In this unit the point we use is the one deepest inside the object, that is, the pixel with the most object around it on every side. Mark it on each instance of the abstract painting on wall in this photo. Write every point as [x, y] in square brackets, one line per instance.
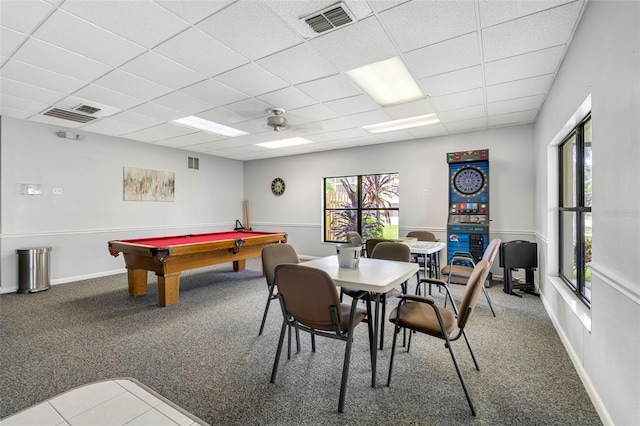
[148, 185]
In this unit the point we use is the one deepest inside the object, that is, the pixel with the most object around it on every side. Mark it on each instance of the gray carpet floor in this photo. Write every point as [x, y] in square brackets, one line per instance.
[204, 353]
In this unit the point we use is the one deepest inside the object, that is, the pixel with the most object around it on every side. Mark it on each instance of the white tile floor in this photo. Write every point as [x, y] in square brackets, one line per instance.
[111, 402]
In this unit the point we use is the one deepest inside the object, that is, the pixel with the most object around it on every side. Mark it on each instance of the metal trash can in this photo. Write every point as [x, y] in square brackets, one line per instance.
[34, 269]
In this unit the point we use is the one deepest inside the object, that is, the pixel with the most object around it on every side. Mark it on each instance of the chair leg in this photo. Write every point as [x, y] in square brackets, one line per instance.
[464, 385]
[289, 343]
[264, 316]
[278, 352]
[396, 330]
[384, 311]
[313, 343]
[473, 356]
[370, 328]
[486, 294]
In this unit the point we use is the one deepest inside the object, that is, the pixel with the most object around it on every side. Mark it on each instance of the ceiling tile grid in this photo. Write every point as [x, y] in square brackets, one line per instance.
[479, 63]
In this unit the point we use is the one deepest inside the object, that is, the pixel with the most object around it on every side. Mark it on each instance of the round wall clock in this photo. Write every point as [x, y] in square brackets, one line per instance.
[277, 186]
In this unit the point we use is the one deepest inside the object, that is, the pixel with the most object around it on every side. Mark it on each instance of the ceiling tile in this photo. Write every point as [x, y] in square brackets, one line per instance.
[249, 108]
[139, 120]
[10, 40]
[132, 84]
[28, 91]
[513, 118]
[263, 32]
[362, 43]
[467, 125]
[427, 131]
[380, 5]
[221, 116]
[183, 102]
[369, 117]
[142, 22]
[198, 51]
[287, 98]
[157, 111]
[161, 70]
[452, 82]
[353, 105]
[410, 109]
[111, 127]
[534, 32]
[22, 104]
[214, 92]
[109, 97]
[189, 139]
[65, 30]
[458, 100]
[50, 57]
[437, 58]
[310, 114]
[163, 131]
[512, 105]
[330, 88]
[495, 12]
[298, 64]
[520, 88]
[23, 16]
[421, 23]
[194, 11]
[252, 80]
[524, 66]
[40, 77]
[460, 114]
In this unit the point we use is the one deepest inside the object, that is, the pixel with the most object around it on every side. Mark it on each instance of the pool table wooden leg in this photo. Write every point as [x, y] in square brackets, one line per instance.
[137, 279]
[238, 265]
[168, 289]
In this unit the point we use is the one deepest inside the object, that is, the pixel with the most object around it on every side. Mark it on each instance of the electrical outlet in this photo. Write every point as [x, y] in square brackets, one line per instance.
[425, 193]
[56, 191]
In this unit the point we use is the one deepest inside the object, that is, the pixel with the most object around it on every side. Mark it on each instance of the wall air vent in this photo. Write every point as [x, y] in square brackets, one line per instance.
[68, 115]
[330, 18]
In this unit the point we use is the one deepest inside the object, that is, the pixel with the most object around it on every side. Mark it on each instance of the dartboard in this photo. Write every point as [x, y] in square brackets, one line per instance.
[468, 180]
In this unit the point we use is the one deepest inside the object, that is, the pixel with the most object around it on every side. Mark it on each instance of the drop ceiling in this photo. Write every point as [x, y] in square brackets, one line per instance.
[480, 64]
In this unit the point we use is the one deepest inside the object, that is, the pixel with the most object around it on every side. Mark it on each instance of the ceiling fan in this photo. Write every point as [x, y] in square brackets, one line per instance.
[277, 121]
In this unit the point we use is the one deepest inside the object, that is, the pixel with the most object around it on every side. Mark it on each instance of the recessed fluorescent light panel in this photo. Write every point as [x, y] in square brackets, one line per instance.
[208, 126]
[284, 143]
[404, 123]
[388, 82]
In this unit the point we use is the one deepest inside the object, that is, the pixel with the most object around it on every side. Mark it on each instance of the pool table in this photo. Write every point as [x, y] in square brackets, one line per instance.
[169, 256]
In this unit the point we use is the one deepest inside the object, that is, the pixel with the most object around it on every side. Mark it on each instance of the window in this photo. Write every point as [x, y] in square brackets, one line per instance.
[366, 204]
[575, 210]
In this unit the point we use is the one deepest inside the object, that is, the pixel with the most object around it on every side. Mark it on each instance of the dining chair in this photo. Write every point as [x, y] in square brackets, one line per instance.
[371, 243]
[273, 255]
[423, 261]
[461, 265]
[353, 237]
[422, 315]
[310, 302]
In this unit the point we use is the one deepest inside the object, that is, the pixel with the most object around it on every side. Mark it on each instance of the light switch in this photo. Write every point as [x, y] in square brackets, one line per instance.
[56, 191]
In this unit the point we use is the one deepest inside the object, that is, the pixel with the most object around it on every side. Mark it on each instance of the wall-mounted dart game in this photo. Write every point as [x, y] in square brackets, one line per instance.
[468, 222]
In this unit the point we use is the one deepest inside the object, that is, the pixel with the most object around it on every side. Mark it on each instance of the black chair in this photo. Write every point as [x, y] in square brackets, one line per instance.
[421, 314]
[310, 302]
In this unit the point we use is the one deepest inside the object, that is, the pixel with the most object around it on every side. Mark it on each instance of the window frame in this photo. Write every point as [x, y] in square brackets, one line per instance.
[358, 209]
[579, 209]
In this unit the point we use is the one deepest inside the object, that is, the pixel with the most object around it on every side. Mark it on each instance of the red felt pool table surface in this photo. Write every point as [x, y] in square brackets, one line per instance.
[167, 256]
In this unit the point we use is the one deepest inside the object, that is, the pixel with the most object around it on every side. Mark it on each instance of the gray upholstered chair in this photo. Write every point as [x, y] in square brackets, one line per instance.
[421, 314]
[310, 302]
[461, 265]
[423, 261]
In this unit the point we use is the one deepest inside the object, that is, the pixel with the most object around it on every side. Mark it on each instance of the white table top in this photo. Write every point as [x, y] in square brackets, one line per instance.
[375, 275]
[425, 247]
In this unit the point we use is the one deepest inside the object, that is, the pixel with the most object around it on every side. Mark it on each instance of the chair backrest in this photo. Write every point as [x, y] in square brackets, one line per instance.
[491, 251]
[390, 250]
[371, 243]
[275, 254]
[472, 292]
[308, 295]
[422, 235]
[354, 238]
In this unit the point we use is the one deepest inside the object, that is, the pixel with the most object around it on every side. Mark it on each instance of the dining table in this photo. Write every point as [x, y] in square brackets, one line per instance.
[430, 251]
[374, 275]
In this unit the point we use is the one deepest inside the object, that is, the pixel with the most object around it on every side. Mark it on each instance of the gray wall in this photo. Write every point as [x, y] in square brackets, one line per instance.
[603, 342]
[91, 210]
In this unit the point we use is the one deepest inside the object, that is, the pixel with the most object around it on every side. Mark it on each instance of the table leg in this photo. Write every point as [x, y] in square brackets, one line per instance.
[238, 265]
[168, 289]
[137, 279]
[374, 359]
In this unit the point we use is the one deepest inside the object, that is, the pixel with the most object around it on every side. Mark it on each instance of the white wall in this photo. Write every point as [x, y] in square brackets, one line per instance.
[421, 164]
[91, 210]
[604, 342]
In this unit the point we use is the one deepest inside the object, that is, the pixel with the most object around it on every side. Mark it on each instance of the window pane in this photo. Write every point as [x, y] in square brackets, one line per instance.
[568, 247]
[379, 224]
[587, 256]
[380, 191]
[338, 222]
[340, 192]
[569, 173]
[587, 163]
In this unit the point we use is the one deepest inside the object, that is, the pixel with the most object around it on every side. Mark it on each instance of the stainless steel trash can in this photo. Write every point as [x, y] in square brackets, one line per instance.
[34, 269]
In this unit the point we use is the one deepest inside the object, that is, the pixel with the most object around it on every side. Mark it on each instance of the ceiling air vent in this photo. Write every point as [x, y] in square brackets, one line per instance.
[332, 17]
[68, 115]
[87, 109]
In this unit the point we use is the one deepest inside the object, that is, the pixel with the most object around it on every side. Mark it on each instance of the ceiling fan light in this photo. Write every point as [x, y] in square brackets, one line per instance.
[283, 143]
[388, 82]
[404, 123]
[208, 126]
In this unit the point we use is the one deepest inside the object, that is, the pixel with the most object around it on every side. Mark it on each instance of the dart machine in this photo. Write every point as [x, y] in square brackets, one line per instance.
[468, 221]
